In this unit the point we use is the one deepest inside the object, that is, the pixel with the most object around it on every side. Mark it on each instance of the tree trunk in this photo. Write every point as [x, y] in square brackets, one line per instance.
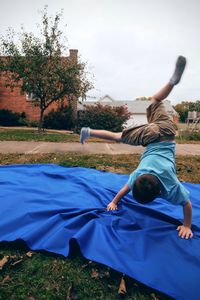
[41, 121]
[74, 102]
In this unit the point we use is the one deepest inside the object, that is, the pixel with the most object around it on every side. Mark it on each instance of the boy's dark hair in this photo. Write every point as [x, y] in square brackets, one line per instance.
[146, 188]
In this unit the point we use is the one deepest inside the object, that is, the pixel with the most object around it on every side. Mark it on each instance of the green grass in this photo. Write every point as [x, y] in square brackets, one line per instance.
[188, 137]
[48, 276]
[47, 136]
[33, 135]
[26, 134]
[188, 167]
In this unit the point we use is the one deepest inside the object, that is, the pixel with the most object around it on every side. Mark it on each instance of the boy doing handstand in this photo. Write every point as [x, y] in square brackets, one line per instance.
[155, 175]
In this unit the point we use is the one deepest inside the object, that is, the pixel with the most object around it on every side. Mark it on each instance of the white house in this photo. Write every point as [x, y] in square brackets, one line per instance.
[137, 108]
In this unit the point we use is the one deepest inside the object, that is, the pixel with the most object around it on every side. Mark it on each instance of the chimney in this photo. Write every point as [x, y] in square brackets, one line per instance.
[73, 54]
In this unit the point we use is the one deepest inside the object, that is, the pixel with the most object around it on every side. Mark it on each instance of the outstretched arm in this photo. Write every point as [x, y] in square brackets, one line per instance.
[185, 229]
[113, 204]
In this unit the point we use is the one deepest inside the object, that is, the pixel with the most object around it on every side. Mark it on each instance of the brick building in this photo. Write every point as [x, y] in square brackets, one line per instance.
[18, 102]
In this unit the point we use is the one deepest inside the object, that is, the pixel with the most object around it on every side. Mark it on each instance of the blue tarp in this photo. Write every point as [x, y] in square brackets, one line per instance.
[48, 205]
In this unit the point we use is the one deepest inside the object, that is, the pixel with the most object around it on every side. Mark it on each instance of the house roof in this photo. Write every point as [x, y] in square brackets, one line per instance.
[106, 98]
[134, 106]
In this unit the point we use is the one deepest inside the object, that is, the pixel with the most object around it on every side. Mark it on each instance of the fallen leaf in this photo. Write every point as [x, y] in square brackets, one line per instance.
[122, 287]
[87, 264]
[95, 273]
[29, 254]
[55, 287]
[3, 261]
[7, 278]
[71, 293]
[154, 297]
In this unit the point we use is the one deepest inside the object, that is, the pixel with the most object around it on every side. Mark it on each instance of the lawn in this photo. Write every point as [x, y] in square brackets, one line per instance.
[48, 276]
[26, 134]
[30, 134]
[33, 135]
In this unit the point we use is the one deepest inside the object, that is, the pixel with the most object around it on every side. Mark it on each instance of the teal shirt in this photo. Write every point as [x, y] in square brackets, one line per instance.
[159, 159]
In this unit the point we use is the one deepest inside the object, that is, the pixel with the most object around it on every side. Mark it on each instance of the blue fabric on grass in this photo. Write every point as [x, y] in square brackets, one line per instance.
[48, 205]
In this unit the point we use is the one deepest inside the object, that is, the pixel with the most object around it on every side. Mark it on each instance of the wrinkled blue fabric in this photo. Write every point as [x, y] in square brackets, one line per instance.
[48, 205]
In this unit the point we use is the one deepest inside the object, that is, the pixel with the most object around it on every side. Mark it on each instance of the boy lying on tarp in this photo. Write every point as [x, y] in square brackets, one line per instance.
[156, 174]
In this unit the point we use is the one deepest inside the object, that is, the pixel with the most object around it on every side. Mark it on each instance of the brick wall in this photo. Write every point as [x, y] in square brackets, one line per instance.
[17, 102]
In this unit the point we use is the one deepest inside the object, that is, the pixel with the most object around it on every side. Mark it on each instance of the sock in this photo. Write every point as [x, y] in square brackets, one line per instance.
[180, 66]
[85, 133]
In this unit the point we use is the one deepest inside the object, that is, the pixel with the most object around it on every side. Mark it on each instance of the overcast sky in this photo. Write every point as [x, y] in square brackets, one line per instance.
[130, 45]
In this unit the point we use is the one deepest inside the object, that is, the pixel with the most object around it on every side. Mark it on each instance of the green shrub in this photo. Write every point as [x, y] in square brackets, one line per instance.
[189, 136]
[33, 123]
[103, 117]
[59, 119]
[10, 118]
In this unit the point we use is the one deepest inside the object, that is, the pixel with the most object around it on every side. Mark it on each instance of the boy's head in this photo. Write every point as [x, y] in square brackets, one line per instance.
[146, 188]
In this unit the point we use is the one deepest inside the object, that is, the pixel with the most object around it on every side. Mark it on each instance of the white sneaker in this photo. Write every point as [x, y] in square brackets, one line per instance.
[85, 133]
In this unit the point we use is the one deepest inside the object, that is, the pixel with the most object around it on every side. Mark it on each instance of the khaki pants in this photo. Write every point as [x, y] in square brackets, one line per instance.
[160, 127]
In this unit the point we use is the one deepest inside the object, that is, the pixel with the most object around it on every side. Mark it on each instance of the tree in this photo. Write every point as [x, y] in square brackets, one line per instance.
[40, 65]
[184, 107]
[197, 105]
[143, 98]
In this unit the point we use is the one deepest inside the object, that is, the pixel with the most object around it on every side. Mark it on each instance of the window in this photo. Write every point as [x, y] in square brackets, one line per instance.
[31, 97]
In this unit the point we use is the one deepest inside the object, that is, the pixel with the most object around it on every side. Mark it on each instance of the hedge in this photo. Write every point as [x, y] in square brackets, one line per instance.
[105, 117]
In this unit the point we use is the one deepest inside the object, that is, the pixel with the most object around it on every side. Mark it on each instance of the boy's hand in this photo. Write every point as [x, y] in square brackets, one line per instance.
[184, 232]
[112, 206]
